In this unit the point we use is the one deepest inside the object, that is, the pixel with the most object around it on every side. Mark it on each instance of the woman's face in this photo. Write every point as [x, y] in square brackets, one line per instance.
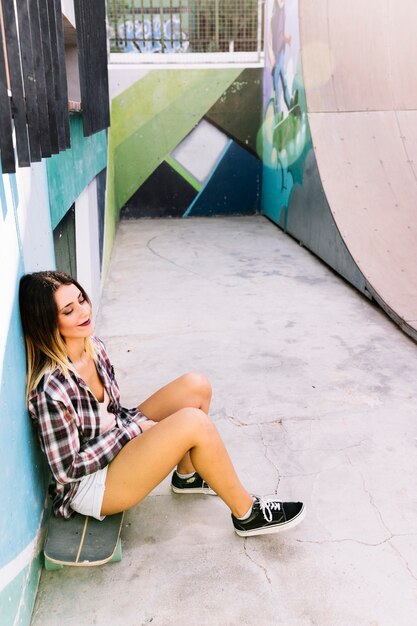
[74, 313]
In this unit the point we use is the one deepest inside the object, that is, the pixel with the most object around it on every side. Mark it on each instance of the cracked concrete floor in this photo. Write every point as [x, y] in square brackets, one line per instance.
[314, 395]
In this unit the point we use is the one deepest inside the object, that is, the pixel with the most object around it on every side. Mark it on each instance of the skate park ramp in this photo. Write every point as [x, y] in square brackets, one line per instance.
[360, 84]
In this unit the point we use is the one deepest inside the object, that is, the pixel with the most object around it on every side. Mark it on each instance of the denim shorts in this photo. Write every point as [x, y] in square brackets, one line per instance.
[89, 495]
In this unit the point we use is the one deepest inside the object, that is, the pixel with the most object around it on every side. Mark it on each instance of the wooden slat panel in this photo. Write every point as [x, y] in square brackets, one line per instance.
[6, 130]
[63, 87]
[40, 82]
[90, 16]
[56, 74]
[13, 57]
[31, 99]
[49, 75]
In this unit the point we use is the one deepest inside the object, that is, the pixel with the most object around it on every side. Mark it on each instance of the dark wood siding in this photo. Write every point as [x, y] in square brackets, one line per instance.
[33, 80]
[90, 18]
[16, 82]
[6, 129]
[40, 80]
[28, 70]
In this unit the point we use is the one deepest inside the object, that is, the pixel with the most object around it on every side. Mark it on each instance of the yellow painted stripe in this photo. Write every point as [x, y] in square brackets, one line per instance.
[82, 540]
[184, 173]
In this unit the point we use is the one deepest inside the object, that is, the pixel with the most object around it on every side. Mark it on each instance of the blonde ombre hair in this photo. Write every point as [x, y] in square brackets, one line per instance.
[45, 348]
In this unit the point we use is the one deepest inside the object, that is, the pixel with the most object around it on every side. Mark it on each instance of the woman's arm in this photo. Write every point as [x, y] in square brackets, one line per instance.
[68, 460]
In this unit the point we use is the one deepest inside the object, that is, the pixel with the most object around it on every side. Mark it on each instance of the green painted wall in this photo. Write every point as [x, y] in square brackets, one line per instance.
[18, 598]
[154, 115]
[147, 121]
[69, 172]
[240, 117]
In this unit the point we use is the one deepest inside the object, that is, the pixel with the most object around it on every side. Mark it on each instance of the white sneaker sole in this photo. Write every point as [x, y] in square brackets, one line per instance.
[203, 490]
[279, 528]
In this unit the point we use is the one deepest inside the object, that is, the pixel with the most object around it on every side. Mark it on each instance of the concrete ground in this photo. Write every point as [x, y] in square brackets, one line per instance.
[315, 397]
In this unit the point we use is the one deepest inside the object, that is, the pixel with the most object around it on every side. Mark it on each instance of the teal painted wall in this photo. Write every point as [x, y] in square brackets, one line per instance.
[22, 469]
[18, 597]
[69, 172]
[32, 203]
[22, 485]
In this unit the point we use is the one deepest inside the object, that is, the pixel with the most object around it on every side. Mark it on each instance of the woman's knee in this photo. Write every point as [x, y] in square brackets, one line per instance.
[199, 384]
[195, 420]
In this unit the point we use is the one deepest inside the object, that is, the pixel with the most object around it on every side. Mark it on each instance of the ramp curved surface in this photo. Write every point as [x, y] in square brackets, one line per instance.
[361, 95]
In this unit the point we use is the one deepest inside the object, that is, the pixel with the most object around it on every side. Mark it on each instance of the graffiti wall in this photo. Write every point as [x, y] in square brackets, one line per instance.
[285, 140]
[184, 143]
[152, 34]
[292, 191]
[175, 26]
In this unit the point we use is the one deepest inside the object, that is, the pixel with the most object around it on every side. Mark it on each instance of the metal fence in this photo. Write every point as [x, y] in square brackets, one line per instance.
[185, 26]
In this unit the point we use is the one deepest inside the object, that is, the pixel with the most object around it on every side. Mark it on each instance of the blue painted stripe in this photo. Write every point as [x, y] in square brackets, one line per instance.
[227, 147]
[14, 190]
[22, 466]
[15, 193]
[15, 197]
[2, 197]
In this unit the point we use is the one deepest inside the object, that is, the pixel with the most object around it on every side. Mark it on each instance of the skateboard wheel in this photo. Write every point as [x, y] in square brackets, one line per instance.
[51, 566]
[117, 556]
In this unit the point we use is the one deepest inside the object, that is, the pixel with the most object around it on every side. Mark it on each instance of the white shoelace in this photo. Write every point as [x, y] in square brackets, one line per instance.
[268, 504]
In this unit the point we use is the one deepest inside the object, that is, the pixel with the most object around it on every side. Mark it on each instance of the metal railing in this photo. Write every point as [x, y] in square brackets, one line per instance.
[185, 26]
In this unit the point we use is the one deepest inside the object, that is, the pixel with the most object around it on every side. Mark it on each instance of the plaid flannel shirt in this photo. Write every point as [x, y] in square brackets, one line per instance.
[66, 415]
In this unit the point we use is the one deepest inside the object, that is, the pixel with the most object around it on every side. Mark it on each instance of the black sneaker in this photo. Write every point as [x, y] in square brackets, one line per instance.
[269, 515]
[194, 484]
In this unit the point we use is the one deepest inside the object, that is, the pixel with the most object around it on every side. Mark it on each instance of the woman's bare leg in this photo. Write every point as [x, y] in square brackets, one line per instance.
[146, 460]
[190, 390]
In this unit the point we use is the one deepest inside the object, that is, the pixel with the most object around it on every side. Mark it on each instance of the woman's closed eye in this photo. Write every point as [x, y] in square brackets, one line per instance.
[69, 311]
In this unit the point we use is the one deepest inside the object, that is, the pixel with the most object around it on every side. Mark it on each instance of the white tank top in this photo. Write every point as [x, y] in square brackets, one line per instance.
[108, 420]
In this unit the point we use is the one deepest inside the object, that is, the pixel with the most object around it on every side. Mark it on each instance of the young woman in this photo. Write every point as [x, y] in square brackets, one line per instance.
[105, 458]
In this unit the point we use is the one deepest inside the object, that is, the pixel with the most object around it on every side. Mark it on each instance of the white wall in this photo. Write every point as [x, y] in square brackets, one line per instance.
[25, 236]
[34, 218]
[68, 10]
[86, 235]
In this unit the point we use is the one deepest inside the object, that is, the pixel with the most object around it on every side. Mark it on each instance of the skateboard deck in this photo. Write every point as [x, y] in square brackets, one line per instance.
[83, 541]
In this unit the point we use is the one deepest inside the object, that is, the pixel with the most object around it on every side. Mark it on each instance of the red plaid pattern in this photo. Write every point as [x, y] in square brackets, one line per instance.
[67, 418]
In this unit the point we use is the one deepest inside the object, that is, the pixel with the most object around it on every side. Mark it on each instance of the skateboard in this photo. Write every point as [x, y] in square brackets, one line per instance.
[83, 541]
